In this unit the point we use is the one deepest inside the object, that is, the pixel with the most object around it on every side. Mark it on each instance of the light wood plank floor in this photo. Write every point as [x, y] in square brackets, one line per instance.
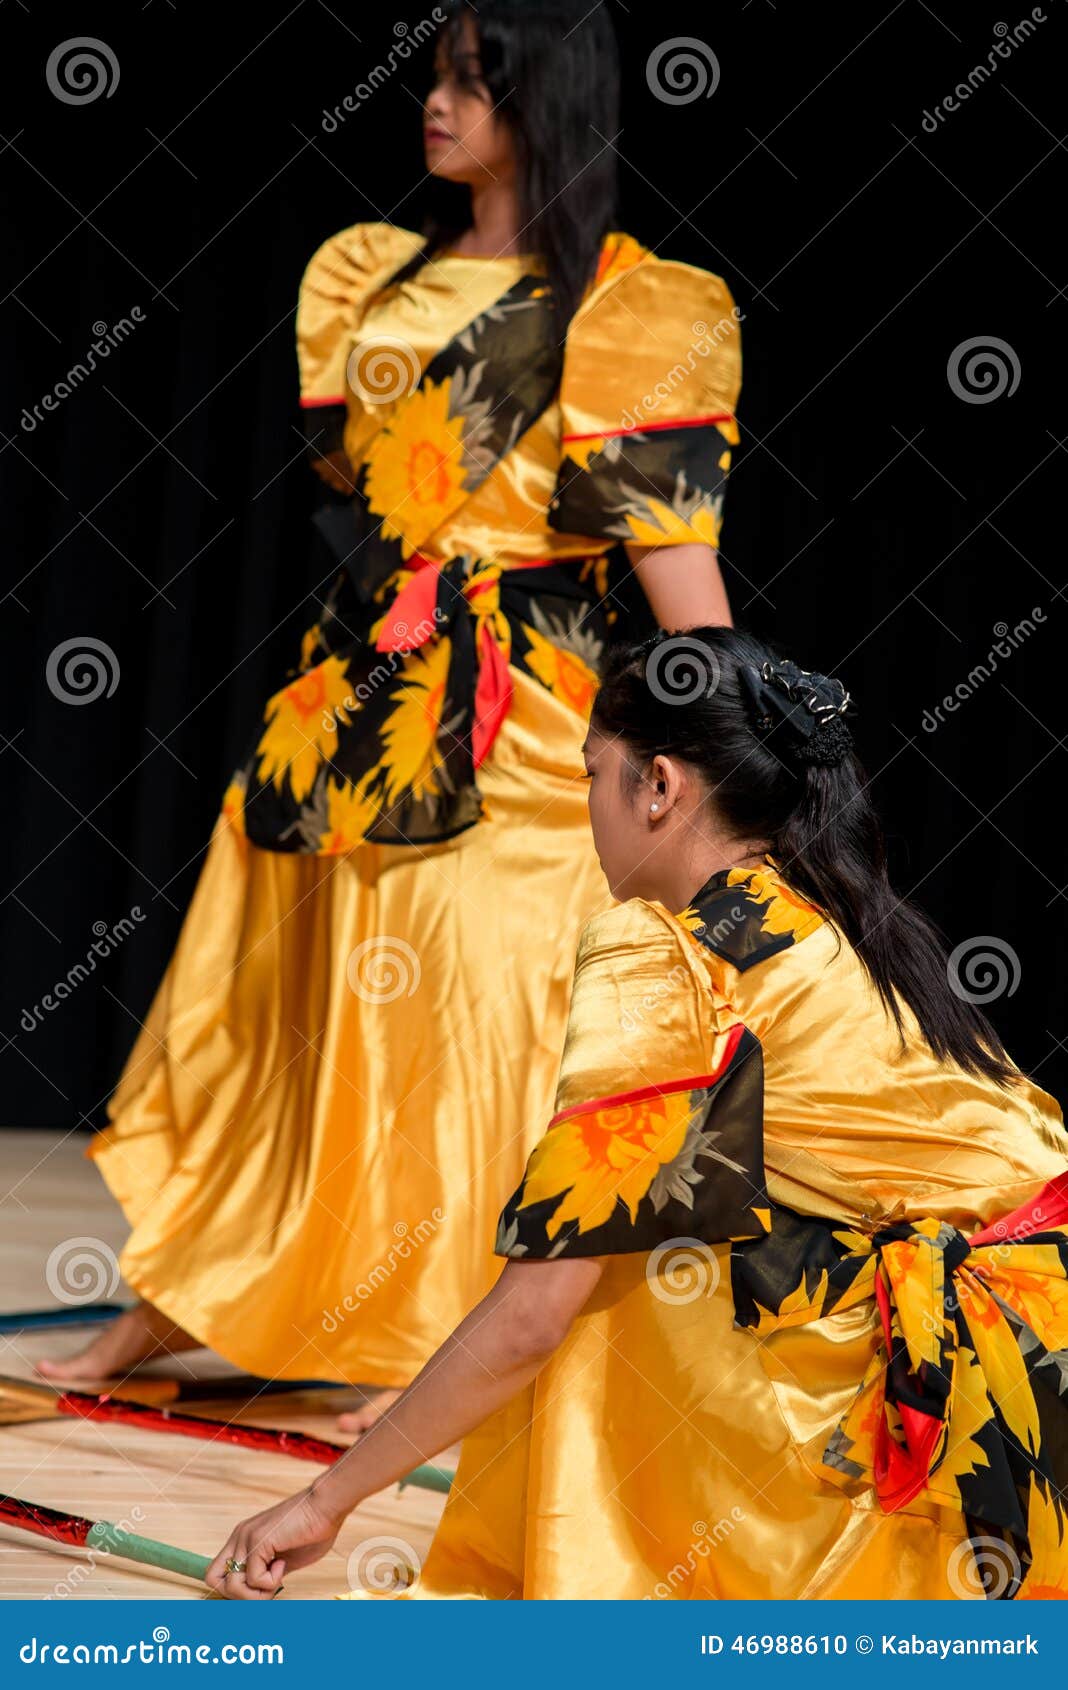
[170, 1488]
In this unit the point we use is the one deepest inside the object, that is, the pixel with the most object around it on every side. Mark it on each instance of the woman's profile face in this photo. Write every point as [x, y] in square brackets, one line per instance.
[619, 800]
[464, 139]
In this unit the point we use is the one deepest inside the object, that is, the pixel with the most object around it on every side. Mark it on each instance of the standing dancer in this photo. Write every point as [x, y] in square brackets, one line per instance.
[354, 1045]
[785, 1312]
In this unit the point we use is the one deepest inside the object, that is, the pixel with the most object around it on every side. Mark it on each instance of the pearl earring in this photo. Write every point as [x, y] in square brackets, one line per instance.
[653, 808]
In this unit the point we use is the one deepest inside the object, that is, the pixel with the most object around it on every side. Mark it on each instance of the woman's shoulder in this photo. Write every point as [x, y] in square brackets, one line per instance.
[628, 270]
[358, 258]
[669, 332]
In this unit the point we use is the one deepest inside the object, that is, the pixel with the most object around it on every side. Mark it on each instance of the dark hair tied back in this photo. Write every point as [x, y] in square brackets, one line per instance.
[771, 743]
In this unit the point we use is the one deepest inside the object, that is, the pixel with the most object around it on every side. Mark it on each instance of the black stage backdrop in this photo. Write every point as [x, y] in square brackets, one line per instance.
[884, 189]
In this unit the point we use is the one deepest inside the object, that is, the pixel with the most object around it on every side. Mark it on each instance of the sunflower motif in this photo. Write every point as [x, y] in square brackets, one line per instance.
[350, 812]
[782, 911]
[595, 1158]
[410, 732]
[1032, 1282]
[663, 525]
[416, 467]
[567, 677]
[302, 726]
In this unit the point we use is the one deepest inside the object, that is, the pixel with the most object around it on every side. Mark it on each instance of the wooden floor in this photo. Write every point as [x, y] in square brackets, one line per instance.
[170, 1488]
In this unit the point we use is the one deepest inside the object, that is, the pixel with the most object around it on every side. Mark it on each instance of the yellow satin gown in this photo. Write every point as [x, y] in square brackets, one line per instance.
[355, 1043]
[713, 1432]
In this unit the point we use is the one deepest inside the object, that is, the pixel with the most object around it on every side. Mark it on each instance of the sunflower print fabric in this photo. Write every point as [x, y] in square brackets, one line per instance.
[683, 1154]
[404, 679]
[403, 682]
[963, 1401]
[646, 452]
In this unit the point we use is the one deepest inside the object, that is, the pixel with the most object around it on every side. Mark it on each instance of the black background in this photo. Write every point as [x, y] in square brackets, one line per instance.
[878, 524]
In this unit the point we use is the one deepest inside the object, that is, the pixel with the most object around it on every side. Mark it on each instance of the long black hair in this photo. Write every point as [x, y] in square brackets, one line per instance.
[815, 817]
[552, 69]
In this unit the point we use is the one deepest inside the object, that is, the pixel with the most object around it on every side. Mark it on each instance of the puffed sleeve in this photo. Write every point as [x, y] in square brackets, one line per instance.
[658, 1126]
[341, 278]
[652, 372]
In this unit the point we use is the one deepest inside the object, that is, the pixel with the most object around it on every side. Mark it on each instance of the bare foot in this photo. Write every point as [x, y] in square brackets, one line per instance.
[136, 1336]
[363, 1418]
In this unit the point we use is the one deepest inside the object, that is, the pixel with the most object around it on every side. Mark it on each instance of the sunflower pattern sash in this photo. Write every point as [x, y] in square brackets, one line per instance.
[963, 1403]
[403, 682]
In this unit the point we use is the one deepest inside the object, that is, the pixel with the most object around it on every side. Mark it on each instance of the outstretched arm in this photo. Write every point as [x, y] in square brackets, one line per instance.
[496, 1350]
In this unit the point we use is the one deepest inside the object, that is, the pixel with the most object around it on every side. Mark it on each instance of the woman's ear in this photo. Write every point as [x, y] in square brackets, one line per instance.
[667, 778]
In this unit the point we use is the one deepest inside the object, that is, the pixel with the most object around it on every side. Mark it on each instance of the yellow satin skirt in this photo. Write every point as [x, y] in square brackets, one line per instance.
[662, 1454]
[344, 1070]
